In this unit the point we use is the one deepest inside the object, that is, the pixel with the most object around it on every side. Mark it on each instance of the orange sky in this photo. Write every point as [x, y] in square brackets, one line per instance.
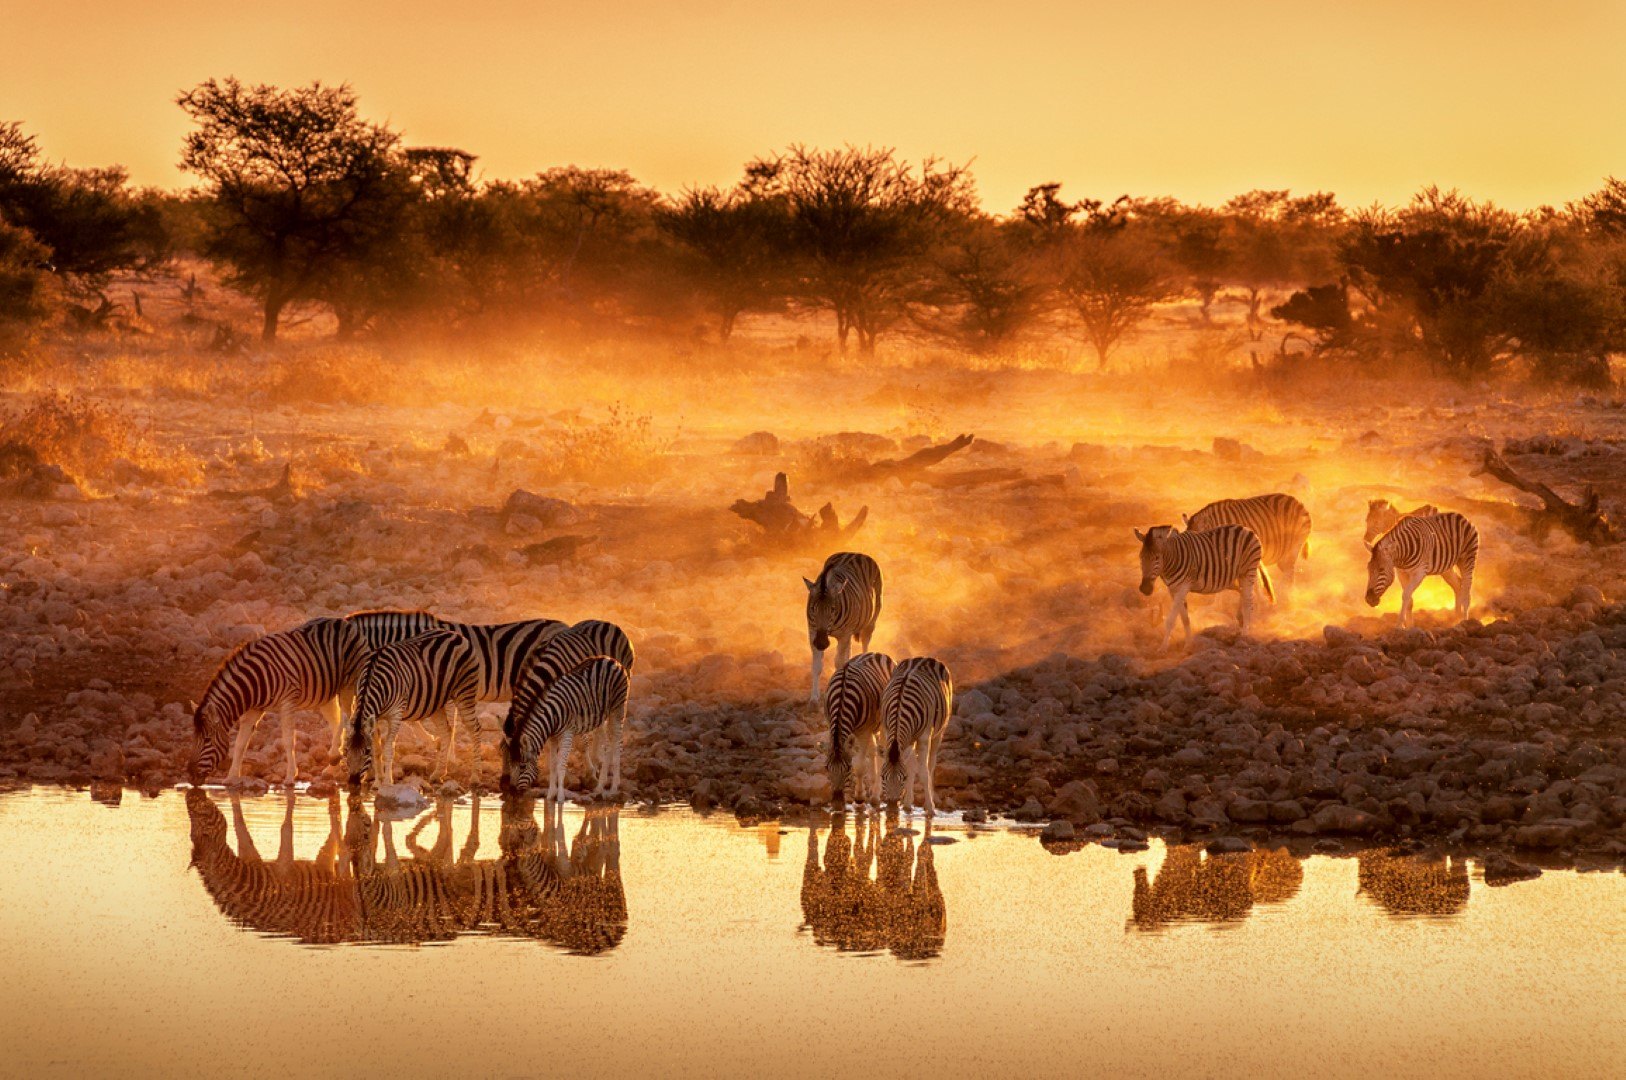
[1524, 103]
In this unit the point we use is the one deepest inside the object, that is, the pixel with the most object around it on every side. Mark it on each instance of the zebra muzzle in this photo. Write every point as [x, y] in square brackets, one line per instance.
[1146, 585]
[821, 641]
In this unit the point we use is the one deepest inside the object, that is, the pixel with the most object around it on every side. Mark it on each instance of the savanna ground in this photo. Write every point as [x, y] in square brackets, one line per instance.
[128, 576]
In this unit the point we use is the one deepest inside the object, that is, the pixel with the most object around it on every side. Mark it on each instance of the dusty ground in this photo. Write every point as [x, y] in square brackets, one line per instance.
[122, 593]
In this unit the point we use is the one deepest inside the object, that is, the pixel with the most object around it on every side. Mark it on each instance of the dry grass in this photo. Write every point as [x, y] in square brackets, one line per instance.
[96, 442]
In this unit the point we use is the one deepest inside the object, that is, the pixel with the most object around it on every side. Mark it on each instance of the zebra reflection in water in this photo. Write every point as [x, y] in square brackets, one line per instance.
[1220, 890]
[1411, 886]
[360, 888]
[900, 909]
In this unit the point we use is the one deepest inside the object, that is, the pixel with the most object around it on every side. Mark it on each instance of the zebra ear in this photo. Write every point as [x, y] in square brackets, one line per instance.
[1140, 536]
[191, 706]
[1371, 545]
[809, 584]
[1185, 519]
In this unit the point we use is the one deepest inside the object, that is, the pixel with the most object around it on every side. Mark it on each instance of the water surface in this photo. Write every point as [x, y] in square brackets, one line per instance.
[163, 936]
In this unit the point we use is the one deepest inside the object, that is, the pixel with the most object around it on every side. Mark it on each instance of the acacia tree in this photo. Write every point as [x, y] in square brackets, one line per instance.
[298, 185]
[731, 243]
[984, 288]
[1105, 264]
[861, 225]
[1274, 240]
[89, 222]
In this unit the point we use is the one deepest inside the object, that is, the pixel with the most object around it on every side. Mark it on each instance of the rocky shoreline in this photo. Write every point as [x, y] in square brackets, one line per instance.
[1501, 737]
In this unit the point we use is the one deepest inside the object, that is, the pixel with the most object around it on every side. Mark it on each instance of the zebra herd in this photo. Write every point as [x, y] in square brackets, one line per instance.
[398, 667]
[885, 719]
[1227, 544]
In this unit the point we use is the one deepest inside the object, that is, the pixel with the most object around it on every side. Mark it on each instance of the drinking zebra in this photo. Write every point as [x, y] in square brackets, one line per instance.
[381, 627]
[852, 706]
[1280, 521]
[1227, 557]
[307, 667]
[843, 603]
[914, 714]
[1381, 517]
[564, 652]
[579, 702]
[500, 653]
[1442, 544]
[409, 680]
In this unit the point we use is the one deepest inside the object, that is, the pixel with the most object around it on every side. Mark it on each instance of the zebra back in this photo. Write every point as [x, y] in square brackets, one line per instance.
[298, 668]
[382, 627]
[563, 652]
[501, 650]
[852, 704]
[1280, 521]
[917, 699]
[579, 702]
[1381, 516]
[417, 678]
[1434, 542]
[845, 600]
[1202, 562]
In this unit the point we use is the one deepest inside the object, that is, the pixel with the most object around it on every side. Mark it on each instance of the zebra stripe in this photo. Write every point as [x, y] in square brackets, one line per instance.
[501, 649]
[408, 681]
[1280, 521]
[852, 708]
[383, 627]
[562, 653]
[309, 666]
[1381, 516]
[583, 699]
[914, 714]
[1226, 557]
[843, 603]
[1442, 544]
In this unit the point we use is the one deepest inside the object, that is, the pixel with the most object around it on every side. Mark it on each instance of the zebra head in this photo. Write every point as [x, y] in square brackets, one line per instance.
[1151, 555]
[839, 765]
[892, 773]
[358, 749]
[518, 769]
[1380, 518]
[822, 610]
[211, 738]
[1380, 573]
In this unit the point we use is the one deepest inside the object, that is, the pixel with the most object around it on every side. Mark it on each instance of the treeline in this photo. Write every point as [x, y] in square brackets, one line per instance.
[301, 202]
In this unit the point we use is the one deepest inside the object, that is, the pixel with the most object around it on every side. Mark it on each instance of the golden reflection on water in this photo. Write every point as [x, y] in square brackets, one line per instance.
[604, 944]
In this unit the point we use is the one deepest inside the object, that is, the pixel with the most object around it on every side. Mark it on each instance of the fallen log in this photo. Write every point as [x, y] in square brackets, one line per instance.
[780, 520]
[1585, 520]
[281, 491]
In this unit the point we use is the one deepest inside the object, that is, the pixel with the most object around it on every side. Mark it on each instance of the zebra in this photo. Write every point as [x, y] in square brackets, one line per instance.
[385, 626]
[1443, 544]
[914, 714]
[500, 653]
[1280, 521]
[852, 706]
[1381, 517]
[577, 703]
[843, 603]
[563, 652]
[1227, 557]
[409, 680]
[311, 666]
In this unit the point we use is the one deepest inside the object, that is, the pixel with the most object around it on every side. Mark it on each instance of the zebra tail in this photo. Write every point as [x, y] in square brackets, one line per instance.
[1264, 579]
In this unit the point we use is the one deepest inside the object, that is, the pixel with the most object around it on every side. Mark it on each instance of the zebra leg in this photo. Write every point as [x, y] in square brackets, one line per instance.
[1177, 609]
[1407, 587]
[932, 748]
[1465, 593]
[288, 746]
[245, 730]
[335, 720]
[561, 765]
[844, 650]
[346, 702]
[1244, 611]
[1287, 569]
[818, 673]
[1453, 578]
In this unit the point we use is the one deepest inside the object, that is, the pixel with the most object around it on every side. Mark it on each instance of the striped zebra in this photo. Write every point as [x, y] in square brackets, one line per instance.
[914, 714]
[1381, 517]
[1443, 544]
[1280, 521]
[563, 653]
[308, 667]
[592, 694]
[843, 603]
[381, 627]
[852, 706]
[1227, 557]
[411, 680]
